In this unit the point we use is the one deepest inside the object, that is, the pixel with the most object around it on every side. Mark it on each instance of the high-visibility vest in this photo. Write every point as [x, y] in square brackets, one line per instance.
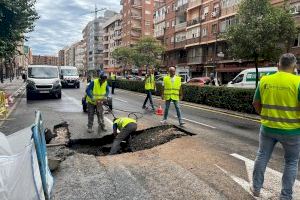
[124, 121]
[171, 90]
[98, 91]
[113, 77]
[150, 83]
[279, 99]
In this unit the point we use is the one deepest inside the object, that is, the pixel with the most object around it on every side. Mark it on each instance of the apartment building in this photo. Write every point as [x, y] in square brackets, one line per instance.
[112, 38]
[44, 60]
[61, 58]
[93, 37]
[137, 17]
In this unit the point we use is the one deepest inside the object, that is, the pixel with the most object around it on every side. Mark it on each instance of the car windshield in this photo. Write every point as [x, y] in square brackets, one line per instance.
[42, 72]
[69, 72]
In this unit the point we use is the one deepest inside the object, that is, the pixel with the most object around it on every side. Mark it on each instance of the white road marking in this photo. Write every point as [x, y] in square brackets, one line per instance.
[121, 100]
[78, 103]
[202, 124]
[272, 183]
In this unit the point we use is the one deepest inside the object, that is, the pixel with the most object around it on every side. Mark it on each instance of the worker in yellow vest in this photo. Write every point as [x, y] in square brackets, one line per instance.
[172, 92]
[277, 100]
[113, 79]
[126, 126]
[97, 92]
[149, 88]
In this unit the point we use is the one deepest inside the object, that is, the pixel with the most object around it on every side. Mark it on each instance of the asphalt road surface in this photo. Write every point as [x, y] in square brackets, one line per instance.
[216, 163]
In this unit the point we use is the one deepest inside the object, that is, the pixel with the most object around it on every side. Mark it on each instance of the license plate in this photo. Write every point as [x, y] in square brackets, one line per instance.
[44, 92]
[70, 83]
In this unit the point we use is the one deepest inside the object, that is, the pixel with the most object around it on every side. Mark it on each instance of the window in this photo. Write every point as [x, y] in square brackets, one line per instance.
[168, 25]
[204, 32]
[173, 23]
[297, 41]
[148, 12]
[238, 79]
[148, 2]
[214, 28]
[172, 39]
[147, 23]
[229, 3]
[193, 33]
[168, 9]
[173, 7]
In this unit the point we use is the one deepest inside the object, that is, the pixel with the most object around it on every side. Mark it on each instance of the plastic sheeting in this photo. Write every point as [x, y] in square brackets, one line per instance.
[24, 172]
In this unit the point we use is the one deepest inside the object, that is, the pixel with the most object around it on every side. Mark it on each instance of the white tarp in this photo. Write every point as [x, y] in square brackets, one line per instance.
[19, 169]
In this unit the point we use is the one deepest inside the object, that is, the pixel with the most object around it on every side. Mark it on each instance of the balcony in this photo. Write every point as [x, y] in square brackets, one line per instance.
[136, 4]
[181, 44]
[106, 42]
[180, 27]
[195, 60]
[118, 37]
[118, 28]
[136, 26]
[136, 34]
[159, 33]
[182, 8]
[121, 2]
[192, 40]
[105, 50]
[136, 16]
[105, 34]
[194, 4]
[159, 19]
[194, 21]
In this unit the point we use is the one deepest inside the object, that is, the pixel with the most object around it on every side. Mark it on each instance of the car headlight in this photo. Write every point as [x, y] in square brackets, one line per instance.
[57, 84]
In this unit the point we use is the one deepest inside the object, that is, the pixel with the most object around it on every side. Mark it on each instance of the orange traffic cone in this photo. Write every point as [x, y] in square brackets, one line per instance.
[159, 111]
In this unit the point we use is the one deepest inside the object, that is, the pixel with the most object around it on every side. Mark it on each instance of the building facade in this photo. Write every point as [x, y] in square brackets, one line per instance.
[93, 37]
[44, 60]
[137, 17]
[61, 58]
[112, 38]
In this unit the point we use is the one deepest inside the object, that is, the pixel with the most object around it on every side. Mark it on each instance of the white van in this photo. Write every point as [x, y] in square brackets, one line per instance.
[69, 76]
[247, 78]
[43, 79]
[184, 73]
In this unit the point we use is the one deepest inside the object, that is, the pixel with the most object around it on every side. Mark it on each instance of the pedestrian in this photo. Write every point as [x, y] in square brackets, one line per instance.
[149, 88]
[277, 100]
[113, 79]
[172, 92]
[97, 92]
[126, 126]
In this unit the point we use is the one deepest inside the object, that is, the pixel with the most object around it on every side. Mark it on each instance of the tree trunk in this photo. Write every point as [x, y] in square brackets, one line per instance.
[256, 70]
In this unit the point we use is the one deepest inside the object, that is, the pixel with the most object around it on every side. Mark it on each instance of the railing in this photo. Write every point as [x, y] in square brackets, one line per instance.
[180, 44]
[159, 19]
[194, 21]
[136, 34]
[137, 26]
[192, 40]
[181, 26]
[182, 8]
[159, 33]
[136, 3]
[195, 59]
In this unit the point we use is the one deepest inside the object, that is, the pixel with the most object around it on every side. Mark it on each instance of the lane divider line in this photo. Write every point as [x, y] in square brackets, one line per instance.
[201, 108]
[121, 100]
[202, 124]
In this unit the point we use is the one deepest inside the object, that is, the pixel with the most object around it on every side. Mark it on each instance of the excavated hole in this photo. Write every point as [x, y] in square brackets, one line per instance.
[143, 139]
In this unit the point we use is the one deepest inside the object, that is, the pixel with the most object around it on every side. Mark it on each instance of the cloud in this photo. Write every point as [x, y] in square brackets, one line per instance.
[61, 23]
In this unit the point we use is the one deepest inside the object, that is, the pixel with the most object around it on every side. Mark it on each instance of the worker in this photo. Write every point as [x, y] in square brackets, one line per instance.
[172, 92]
[149, 88]
[126, 126]
[97, 92]
[277, 100]
[113, 79]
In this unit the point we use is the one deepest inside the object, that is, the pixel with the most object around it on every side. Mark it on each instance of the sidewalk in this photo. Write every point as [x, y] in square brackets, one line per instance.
[11, 88]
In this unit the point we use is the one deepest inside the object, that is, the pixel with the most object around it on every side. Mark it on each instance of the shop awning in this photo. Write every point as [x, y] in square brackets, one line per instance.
[231, 69]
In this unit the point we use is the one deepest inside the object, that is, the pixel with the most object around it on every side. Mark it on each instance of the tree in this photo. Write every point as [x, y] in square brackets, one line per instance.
[147, 52]
[16, 19]
[262, 32]
[123, 55]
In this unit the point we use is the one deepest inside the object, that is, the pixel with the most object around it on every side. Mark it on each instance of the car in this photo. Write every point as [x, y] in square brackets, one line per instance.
[198, 81]
[69, 76]
[43, 79]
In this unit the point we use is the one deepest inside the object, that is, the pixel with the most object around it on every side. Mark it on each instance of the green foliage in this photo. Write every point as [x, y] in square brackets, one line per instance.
[16, 19]
[123, 55]
[147, 52]
[220, 97]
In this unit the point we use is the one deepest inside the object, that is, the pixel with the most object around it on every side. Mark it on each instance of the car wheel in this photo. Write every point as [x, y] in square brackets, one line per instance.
[29, 96]
[58, 95]
[78, 86]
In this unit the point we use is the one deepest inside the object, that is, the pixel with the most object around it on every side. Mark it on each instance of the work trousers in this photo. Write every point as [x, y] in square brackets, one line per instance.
[149, 96]
[123, 135]
[291, 147]
[91, 112]
[113, 85]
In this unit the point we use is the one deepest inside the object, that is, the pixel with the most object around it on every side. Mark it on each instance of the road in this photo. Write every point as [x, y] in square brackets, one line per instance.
[216, 163]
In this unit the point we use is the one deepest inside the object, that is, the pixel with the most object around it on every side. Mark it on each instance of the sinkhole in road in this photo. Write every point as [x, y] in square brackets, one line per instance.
[142, 139]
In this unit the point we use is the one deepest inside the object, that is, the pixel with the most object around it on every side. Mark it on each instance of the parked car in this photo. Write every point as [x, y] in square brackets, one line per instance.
[198, 81]
[43, 79]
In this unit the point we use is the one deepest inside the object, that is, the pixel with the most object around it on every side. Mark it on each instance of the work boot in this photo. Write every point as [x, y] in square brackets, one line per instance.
[181, 124]
[89, 130]
[102, 128]
[254, 193]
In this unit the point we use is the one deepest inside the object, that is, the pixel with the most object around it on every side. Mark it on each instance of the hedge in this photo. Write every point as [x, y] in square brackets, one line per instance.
[235, 99]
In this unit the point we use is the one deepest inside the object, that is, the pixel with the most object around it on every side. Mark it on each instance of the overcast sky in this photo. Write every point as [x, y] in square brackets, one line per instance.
[62, 21]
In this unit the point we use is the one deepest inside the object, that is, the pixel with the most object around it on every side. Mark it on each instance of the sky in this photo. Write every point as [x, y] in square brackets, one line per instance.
[62, 21]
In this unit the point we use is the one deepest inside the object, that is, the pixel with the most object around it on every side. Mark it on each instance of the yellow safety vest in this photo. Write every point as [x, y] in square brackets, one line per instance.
[150, 83]
[279, 99]
[171, 90]
[98, 91]
[113, 77]
[122, 122]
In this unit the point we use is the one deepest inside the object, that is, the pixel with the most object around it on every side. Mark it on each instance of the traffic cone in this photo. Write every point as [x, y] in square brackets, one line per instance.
[159, 111]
